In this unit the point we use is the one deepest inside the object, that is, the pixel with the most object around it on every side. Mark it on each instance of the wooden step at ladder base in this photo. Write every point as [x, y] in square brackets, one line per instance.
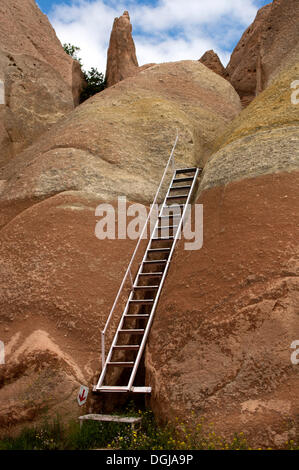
[111, 419]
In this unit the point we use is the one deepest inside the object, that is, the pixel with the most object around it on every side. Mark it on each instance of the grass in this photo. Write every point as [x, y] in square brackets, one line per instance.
[54, 435]
[170, 437]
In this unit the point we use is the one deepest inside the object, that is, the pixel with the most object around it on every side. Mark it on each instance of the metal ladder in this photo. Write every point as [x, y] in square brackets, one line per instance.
[138, 315]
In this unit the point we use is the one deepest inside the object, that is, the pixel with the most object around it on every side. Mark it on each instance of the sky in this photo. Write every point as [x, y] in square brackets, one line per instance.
[163, 30]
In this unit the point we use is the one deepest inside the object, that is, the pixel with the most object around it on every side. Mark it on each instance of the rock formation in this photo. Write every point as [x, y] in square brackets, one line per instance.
[100, 147]
[211, 60]
[219, 348]
[67, 279]
[41, 82]
[121, 56]
[220, 345]
[59, 278]
[37, 374]
[264, 46]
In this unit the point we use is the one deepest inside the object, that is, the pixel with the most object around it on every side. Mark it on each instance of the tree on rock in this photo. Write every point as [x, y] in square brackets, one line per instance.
[72, 51]
[95, 80]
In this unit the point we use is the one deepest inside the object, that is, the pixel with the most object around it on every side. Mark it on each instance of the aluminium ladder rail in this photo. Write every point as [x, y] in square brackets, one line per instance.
[144, 332]
[156, 237]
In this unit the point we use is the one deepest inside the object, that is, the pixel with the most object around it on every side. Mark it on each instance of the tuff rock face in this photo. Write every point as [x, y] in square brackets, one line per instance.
[228, 313]
[121, 56]
[211, 60]
[263, 48]
[118, 142]
[63, 281]
[41, 82]
[60, 280]
[220, 343]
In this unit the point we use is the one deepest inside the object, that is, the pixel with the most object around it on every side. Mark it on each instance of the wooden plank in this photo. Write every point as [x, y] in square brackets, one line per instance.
[111, 418]
[141, 389]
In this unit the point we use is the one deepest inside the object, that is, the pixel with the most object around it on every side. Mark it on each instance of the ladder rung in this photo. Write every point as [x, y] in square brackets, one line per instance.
[111, 388]
[169, 215]
[174, 206]
[138, 331]
[155, 261]
[176, 188]
[121, 364]
[183, 180]
[179, 196]
[157, 274]
[186, 170]
[137, 315]
[145, 287]
[157, 250]
[163, 238]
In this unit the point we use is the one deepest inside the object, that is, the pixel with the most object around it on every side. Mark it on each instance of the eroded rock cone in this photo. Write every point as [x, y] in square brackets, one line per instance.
[264, 48]
[211, 60]
[138, 120]
[40, 83]
[228, 312]
[121, 58]
[57, 280]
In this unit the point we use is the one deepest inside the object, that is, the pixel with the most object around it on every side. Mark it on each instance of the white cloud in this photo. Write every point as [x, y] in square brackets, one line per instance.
[170, 30]
[171, 13]
[172, 49]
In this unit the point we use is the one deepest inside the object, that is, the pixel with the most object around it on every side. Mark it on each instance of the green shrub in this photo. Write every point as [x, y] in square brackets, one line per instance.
[95, 83]
[95, 80]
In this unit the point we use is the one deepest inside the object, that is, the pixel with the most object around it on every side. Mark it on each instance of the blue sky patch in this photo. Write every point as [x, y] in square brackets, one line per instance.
[163, 30]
